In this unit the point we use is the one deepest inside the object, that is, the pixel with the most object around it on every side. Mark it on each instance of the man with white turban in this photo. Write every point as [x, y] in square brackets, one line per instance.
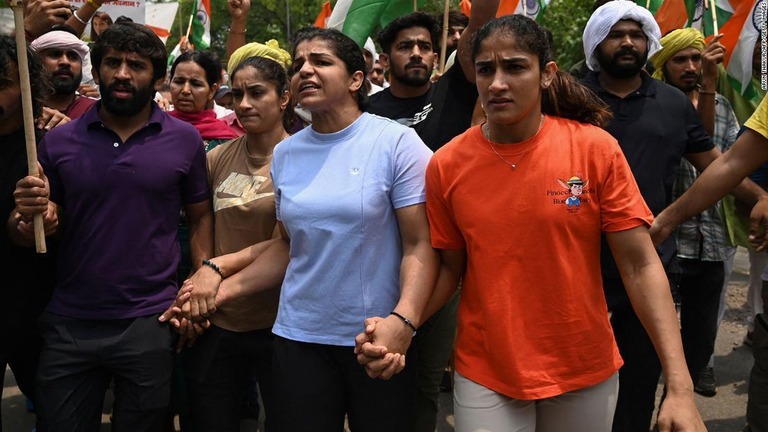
[656, 126]
[62, 54]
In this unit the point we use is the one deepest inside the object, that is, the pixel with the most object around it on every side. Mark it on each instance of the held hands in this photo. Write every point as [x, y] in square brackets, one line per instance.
[202, 303]
[382, 346]
[188, 330]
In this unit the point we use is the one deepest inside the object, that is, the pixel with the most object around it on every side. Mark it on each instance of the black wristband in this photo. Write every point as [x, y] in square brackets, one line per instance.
[408, 322]
[211, 264]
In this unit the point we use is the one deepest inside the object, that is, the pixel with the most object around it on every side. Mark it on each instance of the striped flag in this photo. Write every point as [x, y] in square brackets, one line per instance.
[358, 18]
[740, 34]
[200, 35]
[677, 14]
[325, 13]
[531, 8]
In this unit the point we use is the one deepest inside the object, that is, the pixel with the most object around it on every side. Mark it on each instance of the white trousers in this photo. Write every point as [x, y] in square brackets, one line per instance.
[479, 409]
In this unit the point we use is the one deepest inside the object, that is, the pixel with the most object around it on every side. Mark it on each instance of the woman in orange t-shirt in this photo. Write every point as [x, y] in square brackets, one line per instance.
[516, 207]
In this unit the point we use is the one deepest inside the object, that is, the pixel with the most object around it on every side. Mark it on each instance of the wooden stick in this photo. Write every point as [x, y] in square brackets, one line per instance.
[713, 7]
[189, 27]
[26, 106]
[525, 7]
[415, 5]
[444, 47]
[648, 4]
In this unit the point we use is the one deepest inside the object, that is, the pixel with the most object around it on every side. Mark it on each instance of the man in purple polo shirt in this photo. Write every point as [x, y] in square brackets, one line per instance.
[119, 174]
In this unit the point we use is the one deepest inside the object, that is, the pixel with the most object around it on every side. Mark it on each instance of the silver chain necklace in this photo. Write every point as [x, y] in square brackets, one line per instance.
[487, 130]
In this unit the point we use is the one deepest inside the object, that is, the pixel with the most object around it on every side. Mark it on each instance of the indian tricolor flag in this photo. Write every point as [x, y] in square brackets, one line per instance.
[325, 13]
[677, 14]
[358, 18]
[200, 34]
[740, 34]
[529, 8]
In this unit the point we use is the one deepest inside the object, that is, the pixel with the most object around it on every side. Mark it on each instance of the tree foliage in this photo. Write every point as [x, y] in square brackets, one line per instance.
[567, 19]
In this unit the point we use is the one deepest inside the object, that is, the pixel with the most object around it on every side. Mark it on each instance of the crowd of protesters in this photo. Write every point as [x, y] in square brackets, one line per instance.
[326, 230]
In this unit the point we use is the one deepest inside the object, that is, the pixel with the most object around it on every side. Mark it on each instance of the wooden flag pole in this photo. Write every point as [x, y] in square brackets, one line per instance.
[415, 5]
[26, 106]
[525, 7]
[444, 47]
[713, 7]
[189, 27]
[648, 4]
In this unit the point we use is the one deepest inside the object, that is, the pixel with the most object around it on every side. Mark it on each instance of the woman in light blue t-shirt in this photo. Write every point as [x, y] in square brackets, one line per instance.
[353, 244]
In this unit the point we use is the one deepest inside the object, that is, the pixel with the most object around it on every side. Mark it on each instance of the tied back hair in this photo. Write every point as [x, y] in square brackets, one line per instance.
[565, 97]
[270, 71]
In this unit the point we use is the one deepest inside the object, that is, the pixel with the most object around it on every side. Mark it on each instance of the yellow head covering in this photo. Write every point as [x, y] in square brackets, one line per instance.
[673, 42]
[271, 50]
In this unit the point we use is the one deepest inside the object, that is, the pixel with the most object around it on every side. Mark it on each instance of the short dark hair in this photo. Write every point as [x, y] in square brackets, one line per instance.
[206, 60]
[455, 18]
[38, 80]
[132, 37]
[389, 33]
[345, 49]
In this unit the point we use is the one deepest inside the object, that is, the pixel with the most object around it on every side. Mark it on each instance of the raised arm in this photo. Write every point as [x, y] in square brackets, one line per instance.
[238, 10]
[482, 12]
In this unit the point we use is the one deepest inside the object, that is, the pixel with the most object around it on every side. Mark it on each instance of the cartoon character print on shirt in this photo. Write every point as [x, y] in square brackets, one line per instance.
[575, 187]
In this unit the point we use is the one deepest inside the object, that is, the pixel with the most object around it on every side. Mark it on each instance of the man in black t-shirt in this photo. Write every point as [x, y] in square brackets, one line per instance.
[437, 111]
[656, 126]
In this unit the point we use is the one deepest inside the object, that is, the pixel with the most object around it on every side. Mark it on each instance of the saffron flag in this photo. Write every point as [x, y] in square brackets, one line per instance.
[466, 7]
[740, 34]
[529, 8]
[325, 13]
[358, 18]
[200, 35]
[677, 14]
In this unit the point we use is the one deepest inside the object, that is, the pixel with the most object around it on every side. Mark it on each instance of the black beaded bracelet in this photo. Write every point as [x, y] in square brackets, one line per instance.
[211, 264]
[408, 322]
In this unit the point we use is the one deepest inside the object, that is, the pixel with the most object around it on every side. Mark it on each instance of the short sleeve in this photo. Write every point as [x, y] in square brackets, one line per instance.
[443, 229]
[622, 207]
[699, 140]
[410, 164]
[195, 187]
[758, 122]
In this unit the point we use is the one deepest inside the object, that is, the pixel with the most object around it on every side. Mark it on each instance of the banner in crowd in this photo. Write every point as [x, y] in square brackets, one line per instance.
[133, 9]
[160, 17]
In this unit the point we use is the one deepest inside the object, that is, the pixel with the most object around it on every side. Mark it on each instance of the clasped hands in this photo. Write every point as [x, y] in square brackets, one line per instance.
[194, 304]
[381, 347]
